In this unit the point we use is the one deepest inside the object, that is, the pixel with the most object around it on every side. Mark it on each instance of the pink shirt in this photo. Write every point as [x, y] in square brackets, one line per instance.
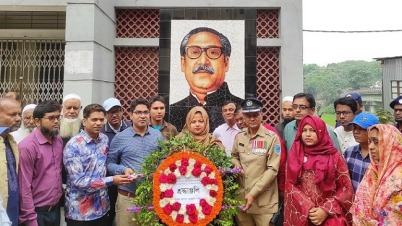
[39, 174]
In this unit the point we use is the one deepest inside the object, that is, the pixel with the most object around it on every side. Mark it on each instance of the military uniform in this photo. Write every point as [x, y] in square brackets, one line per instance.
[259, 157]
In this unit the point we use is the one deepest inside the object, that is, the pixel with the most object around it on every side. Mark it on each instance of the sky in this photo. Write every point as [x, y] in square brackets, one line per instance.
[351, 15]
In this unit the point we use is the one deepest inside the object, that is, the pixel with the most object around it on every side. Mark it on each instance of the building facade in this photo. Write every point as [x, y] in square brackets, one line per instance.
[391, 79]
[104, 48]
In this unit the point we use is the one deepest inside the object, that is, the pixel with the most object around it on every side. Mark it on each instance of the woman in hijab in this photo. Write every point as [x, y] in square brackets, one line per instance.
[318, 188]
[197, 125]
[378, 199]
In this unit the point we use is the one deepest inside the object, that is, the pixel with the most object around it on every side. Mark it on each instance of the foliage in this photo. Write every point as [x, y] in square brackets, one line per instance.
[187, 143]
[384, 116]
[329, 82]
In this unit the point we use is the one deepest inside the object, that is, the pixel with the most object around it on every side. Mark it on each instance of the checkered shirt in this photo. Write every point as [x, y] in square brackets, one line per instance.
[357, 164]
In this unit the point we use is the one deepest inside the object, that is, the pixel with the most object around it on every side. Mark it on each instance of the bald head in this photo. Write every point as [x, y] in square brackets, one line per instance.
[10, 114]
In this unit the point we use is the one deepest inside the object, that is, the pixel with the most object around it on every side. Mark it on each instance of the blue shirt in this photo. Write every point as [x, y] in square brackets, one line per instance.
[86, 193]
[13, 188]
[357, 164]
[128, 150]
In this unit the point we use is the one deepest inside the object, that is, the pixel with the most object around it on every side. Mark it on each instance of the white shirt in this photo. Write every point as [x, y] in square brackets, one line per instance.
[227, 135]
[4, 220]
[346, 139]
[19, 135]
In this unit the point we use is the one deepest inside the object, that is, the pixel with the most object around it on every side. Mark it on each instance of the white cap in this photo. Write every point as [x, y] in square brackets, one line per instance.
[71, 96]
[27, 107]
[287, 99]
[111, 102]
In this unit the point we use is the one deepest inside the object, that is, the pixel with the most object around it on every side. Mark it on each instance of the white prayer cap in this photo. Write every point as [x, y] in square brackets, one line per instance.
[71, 96]
[27, 107]
[287, 99]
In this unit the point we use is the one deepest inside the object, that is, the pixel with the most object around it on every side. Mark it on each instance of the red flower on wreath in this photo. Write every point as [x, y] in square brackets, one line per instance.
[184, 162]
[168, 209]
[206, 209]
[173, 167]
[193, 218]
[171, 178]
[162, 196]
[207, 170]
[203, 202]
[163, 178]
[205, 181]
[213, 193]
[180, 218]
[169, 193]
[183, 170]
[190, 209]
[197, 165]
[176, 206]
[196, 172]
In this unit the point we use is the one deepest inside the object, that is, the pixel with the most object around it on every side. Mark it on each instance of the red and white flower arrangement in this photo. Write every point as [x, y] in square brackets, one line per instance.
[187, 164]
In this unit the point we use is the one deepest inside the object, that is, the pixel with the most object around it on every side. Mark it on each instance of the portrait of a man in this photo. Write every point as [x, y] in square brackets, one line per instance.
[205, 56]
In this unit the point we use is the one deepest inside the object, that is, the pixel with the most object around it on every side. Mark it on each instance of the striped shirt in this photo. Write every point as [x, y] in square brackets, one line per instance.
[128, 150]
[357, 164]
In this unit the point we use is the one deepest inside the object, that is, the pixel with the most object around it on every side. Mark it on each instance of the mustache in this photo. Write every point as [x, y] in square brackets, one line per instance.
[204, 68]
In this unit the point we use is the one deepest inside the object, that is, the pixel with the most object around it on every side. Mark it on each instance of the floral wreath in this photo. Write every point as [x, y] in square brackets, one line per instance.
[187, 164]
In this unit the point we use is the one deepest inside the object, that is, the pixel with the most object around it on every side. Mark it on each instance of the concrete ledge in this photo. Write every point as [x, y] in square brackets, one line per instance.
[32, 33]
[199, 4]
[269, 42]
[136, 42]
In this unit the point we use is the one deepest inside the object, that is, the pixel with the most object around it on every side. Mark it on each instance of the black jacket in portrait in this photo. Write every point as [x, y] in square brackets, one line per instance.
[178, 111]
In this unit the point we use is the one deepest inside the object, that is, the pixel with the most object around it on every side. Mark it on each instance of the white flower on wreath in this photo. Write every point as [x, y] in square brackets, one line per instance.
[164, 202]
[212, 175]
[182, 209]
[178, 163]
[203, 166]
[174, 215]
[186, 220]
[177, 173]
[200, 214]
[203, 174]
[189, 171]
[167, 171]
[212, 187]
[165, 186]
[210, 200]
[191, 162]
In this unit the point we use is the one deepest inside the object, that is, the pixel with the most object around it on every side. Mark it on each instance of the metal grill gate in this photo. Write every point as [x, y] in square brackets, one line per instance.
[32, 68]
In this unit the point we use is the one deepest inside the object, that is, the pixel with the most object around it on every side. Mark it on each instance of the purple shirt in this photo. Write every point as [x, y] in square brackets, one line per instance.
[39, 174]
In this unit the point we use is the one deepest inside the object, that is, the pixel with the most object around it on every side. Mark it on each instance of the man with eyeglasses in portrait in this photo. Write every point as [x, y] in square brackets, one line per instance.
[126, 153]
[114, 125]
[39, 176]
[205, 55]
[345, 110]
[303, 104]
[27, 125]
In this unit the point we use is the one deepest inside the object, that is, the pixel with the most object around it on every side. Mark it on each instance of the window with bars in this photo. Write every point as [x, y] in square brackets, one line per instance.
[396, 89]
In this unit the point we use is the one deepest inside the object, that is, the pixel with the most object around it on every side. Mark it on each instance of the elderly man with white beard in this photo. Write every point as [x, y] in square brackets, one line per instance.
[70, 124]
[27, 125]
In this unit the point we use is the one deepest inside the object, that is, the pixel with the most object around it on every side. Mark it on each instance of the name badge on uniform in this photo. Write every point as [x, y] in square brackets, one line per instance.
[259, 147]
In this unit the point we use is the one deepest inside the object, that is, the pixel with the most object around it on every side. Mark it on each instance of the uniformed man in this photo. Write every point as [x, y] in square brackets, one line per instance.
[257, 151]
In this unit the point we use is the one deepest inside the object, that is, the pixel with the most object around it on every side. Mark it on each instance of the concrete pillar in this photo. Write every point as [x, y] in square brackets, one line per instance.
[89, 58]
[291, 54]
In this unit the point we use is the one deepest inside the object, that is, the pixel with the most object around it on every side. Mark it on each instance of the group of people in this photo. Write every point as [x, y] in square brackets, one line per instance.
[300, 172]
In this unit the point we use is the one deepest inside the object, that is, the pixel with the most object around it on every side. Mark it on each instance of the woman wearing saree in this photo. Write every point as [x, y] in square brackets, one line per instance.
[378, 199]
[318, 188]
[197, 125]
